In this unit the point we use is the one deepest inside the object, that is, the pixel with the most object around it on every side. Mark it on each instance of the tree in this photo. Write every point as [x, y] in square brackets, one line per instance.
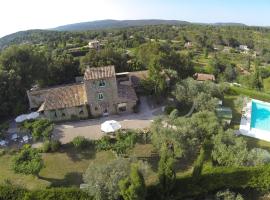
[157, 76]
[20, 67]
[102, 179]
[166, 172]
[258, 156]
[256, 79]
[133, 187]
[229, 150]
[204, 102]
[28, 161]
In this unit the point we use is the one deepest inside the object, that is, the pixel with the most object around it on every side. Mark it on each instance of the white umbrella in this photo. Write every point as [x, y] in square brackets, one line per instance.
[14, 136]
[25, 138]
[33, 115]
[110, 126]
[3, 143]
[21, 118]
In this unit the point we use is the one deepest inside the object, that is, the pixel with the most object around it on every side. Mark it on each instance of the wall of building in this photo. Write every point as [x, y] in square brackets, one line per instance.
[110, 94]
[79, 112]
[129, 106]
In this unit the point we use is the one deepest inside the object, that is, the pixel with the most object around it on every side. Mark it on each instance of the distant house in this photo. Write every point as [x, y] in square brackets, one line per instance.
[101, 93]
[204, 77]
[188, 45]
[94, 44]
[243, 47]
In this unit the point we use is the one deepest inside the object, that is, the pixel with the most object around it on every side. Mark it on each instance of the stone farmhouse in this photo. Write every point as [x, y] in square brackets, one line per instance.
[102, 92]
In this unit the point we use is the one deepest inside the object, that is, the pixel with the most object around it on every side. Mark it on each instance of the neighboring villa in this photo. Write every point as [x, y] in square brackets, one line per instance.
[188, 45]
[94, 44]
[204, 77]
[102, 92]
[243, 47]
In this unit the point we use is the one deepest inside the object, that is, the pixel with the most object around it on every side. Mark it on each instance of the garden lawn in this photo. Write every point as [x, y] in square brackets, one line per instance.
[266, 84]
[61, 169]
[250, 93]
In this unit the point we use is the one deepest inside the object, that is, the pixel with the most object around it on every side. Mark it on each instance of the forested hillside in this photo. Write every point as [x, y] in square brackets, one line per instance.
[50, 57]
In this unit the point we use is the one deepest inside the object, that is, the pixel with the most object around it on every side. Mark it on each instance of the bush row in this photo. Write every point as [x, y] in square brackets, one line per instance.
[218, 178]
[8, 192]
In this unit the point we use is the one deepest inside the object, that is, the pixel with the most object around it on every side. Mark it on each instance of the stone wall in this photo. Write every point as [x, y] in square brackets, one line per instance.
[110, 94]
[79, 112]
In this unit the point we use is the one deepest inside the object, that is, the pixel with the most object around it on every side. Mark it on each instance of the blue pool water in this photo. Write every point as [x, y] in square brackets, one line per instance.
[260, 116]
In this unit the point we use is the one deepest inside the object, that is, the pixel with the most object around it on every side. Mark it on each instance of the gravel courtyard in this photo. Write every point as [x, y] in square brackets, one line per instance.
[90, 129]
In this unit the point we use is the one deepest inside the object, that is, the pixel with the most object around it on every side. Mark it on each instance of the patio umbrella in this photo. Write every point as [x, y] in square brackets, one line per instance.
[33, 115]
[3, 143]
[21, 118]
[25, 138]
[110, 126]
[14, 136]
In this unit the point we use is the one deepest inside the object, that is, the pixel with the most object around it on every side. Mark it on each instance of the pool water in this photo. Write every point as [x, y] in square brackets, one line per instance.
[260, 116]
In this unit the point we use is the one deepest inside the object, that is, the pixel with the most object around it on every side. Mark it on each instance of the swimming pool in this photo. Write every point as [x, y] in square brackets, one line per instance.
[260, 115]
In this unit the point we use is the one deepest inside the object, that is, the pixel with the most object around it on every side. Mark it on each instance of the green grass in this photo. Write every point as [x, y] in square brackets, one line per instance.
[63, 168]
[256, 143]
[266, 85]
[250, 93]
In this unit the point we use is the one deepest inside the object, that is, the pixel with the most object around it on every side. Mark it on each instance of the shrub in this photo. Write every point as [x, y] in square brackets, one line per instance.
[28, 161]
[51, 146]
[258, 156]
[80, 142]
[40, 128]
[2, 152]
[46, 147]
[104, 144]
[228, 195]
[124, 141]
[174, 114]
[197, 169]
[55, 145]
[169, 109]
[8, 192]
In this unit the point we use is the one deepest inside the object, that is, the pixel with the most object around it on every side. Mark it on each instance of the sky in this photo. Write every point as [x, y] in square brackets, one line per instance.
[17, 15]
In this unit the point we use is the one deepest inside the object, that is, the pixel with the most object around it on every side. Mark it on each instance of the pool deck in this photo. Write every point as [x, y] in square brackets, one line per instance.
[245, 124]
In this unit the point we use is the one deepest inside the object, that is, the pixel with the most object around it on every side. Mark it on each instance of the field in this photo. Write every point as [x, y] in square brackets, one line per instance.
[63, 168]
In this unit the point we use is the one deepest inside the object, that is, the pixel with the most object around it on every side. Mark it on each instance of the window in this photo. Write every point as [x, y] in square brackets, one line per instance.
[100, 96]
[102, 83]
[81, 112]
[122, 108]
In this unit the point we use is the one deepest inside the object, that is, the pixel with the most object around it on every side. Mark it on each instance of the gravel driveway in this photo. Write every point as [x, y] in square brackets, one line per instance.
[65, 132]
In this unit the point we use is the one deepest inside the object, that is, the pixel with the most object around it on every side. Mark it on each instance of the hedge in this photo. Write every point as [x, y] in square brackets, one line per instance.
[9, 192]
[218, 178]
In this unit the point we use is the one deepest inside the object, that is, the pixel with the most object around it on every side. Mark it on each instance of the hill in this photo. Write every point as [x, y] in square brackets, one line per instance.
[62, 32]
[106, 24]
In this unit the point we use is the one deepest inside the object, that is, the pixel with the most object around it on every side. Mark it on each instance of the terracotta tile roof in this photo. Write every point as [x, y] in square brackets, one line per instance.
[126, 92]
[99, 72]
[65, 97]
[204, 77]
